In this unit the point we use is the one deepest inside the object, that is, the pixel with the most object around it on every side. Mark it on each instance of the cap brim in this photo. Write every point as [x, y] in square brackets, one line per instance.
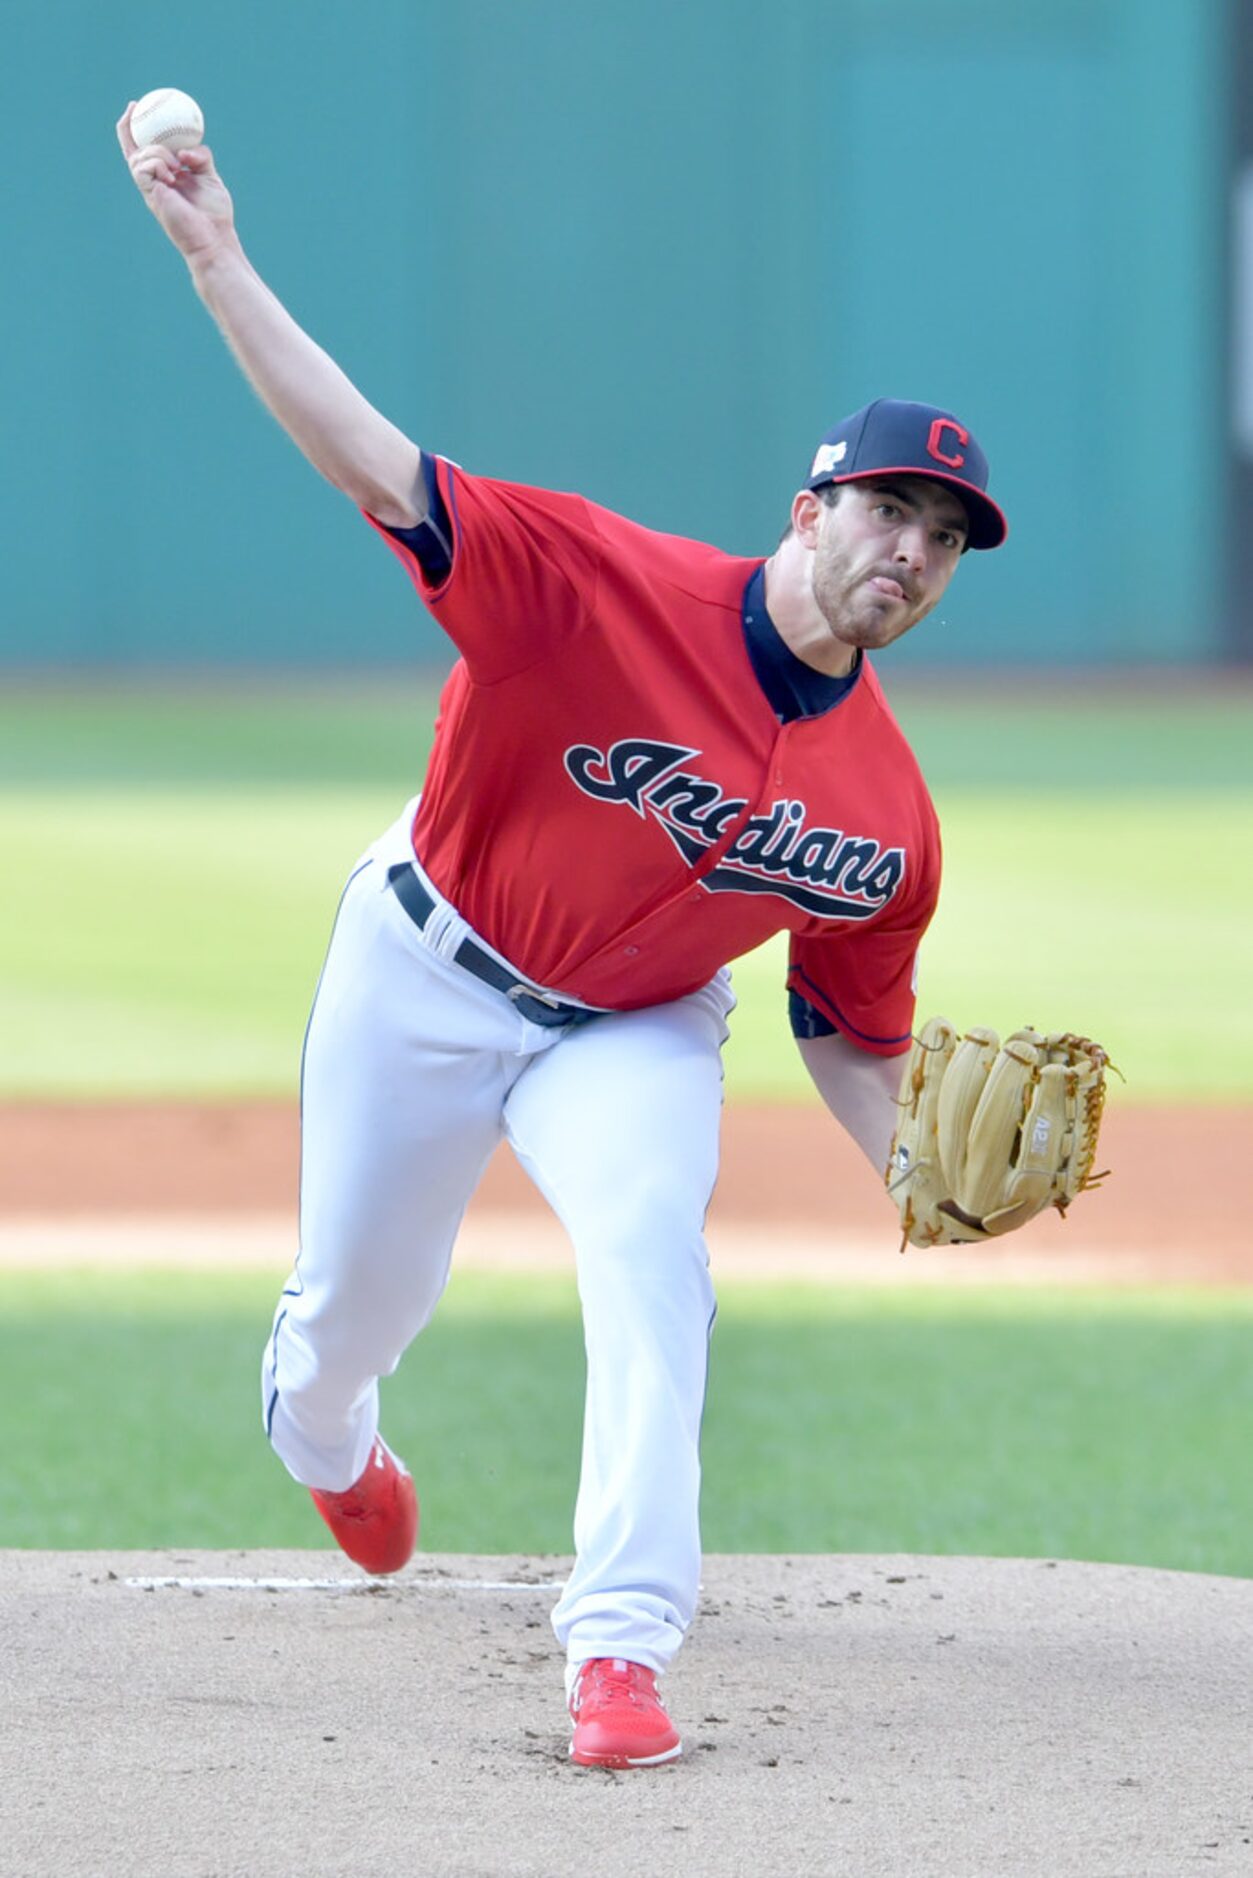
[988, 526]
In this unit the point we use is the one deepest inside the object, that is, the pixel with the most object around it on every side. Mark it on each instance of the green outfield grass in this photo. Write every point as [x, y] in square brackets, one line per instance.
[253, 732]
[1102, 1425]
[173, 858]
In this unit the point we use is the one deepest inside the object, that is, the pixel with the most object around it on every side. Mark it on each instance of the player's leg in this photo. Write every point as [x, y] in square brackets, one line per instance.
[407, 1063]
[619, 1129]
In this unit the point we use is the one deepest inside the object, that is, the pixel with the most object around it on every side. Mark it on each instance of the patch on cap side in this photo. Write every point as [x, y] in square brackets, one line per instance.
[828, 456]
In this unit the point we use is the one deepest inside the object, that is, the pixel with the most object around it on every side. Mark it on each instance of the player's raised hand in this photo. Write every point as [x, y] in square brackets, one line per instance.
[183, 190]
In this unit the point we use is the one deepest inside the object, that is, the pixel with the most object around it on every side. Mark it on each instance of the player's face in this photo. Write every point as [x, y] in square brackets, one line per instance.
[883, 555]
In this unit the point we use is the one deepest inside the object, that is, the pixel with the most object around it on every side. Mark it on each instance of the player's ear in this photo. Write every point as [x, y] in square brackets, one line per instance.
[806, 514]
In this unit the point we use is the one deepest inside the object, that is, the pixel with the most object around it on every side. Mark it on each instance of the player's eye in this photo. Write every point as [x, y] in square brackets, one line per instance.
[887, 508]
[947, 539]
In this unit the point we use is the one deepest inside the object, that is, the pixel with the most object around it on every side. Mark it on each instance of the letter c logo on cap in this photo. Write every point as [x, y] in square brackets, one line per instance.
[935, 441]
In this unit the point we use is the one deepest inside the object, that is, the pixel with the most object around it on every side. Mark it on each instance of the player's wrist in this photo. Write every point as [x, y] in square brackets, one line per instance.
[217, 258]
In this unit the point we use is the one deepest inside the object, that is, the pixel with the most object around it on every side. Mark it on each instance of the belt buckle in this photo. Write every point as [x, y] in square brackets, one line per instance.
[529, 991]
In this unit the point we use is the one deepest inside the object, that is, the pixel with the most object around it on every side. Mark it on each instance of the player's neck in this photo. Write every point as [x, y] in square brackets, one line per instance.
[796, 618]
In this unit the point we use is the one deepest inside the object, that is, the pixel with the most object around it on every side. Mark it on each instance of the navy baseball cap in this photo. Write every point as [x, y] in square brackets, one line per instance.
[890, 437]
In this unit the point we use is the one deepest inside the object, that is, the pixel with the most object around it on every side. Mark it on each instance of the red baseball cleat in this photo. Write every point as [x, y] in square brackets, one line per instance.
[618, 1717]
[376, 1519]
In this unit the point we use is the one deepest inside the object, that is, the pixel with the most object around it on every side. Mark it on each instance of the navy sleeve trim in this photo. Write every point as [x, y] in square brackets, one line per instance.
[806, 1019]
[430, 541]
[841, 1022]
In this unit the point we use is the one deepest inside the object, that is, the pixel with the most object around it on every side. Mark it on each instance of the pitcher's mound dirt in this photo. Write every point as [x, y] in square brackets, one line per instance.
[910, 1717]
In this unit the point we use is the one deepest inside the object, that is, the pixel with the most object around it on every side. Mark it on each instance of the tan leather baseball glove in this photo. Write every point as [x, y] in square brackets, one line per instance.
[991, 1133]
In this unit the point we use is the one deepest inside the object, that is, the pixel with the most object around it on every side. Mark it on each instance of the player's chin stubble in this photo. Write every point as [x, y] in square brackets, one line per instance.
[856, 616]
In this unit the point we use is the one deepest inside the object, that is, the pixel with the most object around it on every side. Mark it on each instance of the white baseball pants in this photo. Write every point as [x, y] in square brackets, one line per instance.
[413, 1071]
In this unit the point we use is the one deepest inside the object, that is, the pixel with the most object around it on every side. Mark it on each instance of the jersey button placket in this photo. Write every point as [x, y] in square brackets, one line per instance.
[780, 745]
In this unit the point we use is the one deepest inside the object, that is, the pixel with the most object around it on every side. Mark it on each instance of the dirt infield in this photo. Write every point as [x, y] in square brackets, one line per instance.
[211, 1715]
[217, 1183]
[222, 1716]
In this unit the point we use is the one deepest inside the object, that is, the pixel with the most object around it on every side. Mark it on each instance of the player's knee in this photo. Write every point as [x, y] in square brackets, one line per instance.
[645, 1224]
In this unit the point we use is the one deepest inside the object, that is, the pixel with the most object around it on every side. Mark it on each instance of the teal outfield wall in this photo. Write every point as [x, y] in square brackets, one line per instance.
[649, 251]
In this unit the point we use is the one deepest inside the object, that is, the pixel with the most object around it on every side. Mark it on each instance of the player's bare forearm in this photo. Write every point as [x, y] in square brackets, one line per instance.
[353, 445]
[859, 1089]
[343, 436]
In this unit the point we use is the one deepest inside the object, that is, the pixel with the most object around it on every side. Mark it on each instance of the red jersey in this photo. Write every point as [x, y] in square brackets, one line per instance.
[612, 802]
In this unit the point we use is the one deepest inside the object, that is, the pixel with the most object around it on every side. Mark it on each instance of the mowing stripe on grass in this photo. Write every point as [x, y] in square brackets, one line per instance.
[1098, 1425]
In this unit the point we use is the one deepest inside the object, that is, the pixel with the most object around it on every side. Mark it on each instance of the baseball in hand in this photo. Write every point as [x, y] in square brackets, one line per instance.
[167, 117]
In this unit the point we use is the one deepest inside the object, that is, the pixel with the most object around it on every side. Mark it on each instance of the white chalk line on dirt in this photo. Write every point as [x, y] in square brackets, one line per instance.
[338, 1584]
[503, 1242]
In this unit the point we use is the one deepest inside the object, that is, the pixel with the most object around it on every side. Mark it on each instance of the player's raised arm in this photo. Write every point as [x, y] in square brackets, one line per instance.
[354, 446]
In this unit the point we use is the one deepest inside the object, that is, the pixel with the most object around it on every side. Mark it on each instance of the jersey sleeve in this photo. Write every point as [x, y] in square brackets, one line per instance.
[860, 982]
[517, 572]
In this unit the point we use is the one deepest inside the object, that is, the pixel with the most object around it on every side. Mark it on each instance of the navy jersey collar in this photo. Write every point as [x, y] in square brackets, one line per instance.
[793, 689]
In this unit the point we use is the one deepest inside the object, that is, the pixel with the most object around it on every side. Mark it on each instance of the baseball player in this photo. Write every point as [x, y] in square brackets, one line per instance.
[650, 755]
